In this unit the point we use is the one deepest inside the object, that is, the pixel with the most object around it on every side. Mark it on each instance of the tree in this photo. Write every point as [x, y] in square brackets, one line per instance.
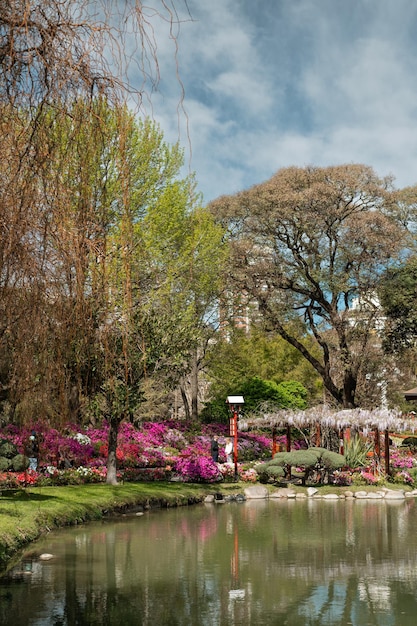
[185, 251]
[258, 354]
[397, 292]
[308, 247]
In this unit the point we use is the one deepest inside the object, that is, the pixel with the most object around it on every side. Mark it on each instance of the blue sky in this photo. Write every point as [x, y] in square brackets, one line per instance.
[273, 83]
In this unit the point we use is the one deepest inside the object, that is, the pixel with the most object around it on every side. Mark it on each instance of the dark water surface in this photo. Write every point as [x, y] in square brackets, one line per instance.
[261, 562]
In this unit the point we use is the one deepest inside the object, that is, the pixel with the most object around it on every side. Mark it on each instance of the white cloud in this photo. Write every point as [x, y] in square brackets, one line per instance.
[271, 84]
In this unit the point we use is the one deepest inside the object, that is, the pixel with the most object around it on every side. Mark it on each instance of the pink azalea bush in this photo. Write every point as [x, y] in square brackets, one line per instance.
[155, 451]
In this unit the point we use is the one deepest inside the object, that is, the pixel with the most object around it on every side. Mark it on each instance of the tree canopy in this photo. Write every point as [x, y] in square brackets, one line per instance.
[398, 296]
[308, 248]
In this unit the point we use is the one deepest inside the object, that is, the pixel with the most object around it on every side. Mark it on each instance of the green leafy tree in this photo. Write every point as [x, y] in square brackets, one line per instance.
[258, 354]
[398, 296]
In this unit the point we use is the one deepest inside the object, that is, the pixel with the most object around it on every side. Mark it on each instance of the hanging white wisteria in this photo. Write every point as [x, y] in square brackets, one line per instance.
[361, 419]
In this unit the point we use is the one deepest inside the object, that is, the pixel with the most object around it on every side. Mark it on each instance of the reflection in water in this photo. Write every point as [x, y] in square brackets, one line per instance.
[285, 562]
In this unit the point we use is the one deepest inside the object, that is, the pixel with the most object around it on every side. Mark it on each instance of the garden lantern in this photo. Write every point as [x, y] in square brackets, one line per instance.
[234, 402]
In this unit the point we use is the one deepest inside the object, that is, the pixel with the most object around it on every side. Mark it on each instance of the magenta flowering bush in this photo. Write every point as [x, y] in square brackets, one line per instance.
[403, 477]
[197, 469]
[151, 451]
[402, 460]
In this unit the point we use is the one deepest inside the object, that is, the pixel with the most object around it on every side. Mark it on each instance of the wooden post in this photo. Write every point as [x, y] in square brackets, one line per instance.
[386, 442]
[341, 442]
[318, 435]
[274, 441]
[288, 438]
[377, 445]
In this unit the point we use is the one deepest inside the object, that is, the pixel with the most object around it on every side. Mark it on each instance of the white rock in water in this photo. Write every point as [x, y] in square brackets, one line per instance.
[46, 556]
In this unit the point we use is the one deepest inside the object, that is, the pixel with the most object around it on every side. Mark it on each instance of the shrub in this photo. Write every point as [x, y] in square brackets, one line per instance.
[332, 460]
[5, 464]
[409, 442]
[356, 450]
[268, 471]
[20, 463]
[8, 449]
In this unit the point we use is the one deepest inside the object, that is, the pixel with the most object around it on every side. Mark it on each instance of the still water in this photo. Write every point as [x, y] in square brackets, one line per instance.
[279, 562]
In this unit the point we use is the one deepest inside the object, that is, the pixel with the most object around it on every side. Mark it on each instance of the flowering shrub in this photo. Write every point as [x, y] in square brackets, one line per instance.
[227, 471]
[403, 478]
[341, 478]
[402, 460]
[248, 475]
[145, 453]
[197, 469]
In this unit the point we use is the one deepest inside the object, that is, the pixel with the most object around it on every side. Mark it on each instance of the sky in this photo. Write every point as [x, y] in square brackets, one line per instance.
[274, 83]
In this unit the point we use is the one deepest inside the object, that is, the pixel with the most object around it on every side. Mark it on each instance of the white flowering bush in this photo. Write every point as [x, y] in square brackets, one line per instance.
[83, 439]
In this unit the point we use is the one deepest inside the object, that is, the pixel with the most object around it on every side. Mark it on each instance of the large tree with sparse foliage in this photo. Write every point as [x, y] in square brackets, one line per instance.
[308, 248]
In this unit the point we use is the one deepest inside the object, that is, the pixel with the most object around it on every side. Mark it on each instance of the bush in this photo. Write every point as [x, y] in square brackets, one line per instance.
[8, 449]
[20, 463]
[409, 442]
[268, 471]
[356, 451]
[332, 460]
[5, 464]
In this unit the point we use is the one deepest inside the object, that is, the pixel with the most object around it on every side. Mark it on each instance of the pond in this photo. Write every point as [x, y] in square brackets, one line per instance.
[308, 562]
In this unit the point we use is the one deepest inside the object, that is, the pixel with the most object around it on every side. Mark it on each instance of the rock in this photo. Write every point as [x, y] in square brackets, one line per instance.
[375, 495]
[46, 556]
[256, 492]
[330, 496]
[209, 499]
[279, 493]
[311, 491]
[394, 494]
[300, 496]
[361, 494]
[349, 494]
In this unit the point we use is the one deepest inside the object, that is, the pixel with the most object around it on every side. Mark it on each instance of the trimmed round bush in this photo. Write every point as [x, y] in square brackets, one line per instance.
[301, 458]
[5, 464]
[274, 471]
[333, 460]
[20, 463]
[280, 458]
[8, 449]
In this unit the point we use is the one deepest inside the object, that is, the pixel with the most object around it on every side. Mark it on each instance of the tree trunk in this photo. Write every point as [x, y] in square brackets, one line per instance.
[185, 403]
[111, 456]
[349, 390]
[194, 388]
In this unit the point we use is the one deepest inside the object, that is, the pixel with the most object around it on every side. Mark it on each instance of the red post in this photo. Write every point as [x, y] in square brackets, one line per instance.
[386, 441]
[377, 445]
[234, 403]
[341, 441]
[274, 441]
[235, 419]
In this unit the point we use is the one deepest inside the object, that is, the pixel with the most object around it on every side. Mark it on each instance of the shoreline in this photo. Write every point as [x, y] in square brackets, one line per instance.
[27, 514]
